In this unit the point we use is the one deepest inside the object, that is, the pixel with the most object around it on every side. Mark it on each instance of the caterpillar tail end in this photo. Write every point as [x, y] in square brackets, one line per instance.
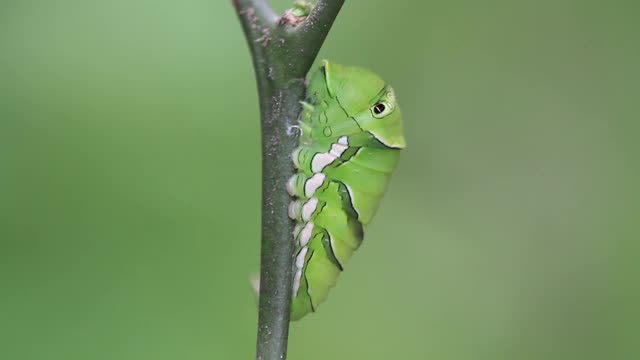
[297, 310]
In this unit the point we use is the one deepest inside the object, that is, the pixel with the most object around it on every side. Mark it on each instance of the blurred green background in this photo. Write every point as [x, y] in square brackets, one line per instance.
[130, 183]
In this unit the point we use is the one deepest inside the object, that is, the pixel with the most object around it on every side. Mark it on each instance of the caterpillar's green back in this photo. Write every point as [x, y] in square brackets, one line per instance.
[351, 139]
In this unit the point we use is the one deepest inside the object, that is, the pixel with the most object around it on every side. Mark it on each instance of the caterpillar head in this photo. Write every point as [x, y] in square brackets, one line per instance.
[366, 98]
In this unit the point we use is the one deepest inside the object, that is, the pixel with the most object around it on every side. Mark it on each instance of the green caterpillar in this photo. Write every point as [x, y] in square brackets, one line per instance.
[350, 143]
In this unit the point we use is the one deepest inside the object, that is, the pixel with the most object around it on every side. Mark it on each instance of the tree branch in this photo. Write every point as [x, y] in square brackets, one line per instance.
[257, 19]
[282, 53]
[315, 27]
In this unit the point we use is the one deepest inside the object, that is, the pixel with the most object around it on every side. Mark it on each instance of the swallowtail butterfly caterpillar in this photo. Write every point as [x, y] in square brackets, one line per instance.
[350, 143]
